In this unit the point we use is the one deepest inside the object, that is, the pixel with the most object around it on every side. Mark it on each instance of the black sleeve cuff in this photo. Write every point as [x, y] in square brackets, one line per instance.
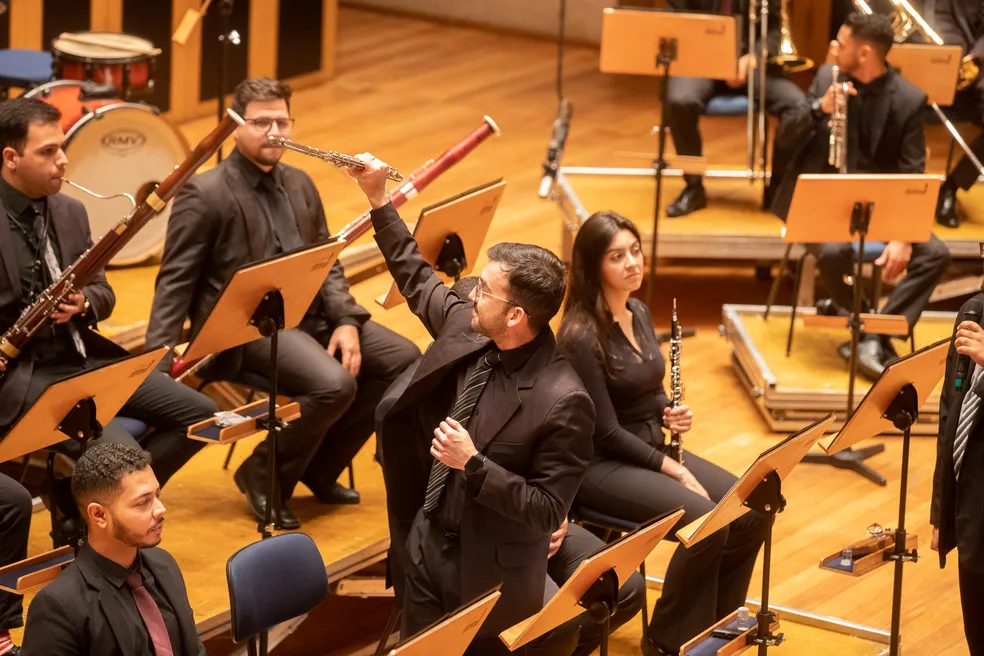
[477, 478]
[384, 217]
[350, 321]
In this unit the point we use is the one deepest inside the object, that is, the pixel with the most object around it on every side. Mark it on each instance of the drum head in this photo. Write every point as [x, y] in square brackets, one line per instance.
[123, 148]
[85, 52]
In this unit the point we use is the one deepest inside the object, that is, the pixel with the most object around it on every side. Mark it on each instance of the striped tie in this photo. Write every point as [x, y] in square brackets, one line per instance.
[54, 268]
[968, 414]
[461, 412]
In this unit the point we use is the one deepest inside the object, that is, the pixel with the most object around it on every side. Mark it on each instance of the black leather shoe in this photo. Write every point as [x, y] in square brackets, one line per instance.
[654, 649]
[691, 199]
[256, 500]
[827, 308]
[946, 207]
[871, 356]
[340, 495]
[288, 520]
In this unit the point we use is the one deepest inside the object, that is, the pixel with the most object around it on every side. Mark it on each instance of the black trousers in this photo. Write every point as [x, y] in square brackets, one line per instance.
[703, 583]
[969, 103]
[688, 97]
[336, 408]
[909, 298]
[972, 604]
[581, 636]
[168, 406]
[15, 526]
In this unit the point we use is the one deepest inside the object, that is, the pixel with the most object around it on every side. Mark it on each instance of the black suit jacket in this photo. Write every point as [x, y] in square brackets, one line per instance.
[740, 8]
[71, 225]
[962, 24]
[79, 613]
[215, 228]
[538, 443]
[899, 134]
[946, 504]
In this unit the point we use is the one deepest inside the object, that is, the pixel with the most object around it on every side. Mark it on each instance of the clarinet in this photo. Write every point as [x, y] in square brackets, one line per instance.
[88, 265]
[361, 225]
[675, 450]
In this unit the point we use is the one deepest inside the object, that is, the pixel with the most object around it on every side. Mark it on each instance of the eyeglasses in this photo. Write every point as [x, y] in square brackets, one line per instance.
[264, 124]
[480, 291]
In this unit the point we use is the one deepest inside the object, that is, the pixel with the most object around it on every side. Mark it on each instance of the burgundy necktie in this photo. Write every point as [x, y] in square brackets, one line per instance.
[727, 8]
[151, 615]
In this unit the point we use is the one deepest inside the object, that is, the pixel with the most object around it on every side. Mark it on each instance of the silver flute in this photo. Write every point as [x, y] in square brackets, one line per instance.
[837, 153]
[339, 160]
[676, 382]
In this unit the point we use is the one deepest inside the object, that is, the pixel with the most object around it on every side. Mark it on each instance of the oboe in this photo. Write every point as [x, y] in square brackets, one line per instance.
[676, 382]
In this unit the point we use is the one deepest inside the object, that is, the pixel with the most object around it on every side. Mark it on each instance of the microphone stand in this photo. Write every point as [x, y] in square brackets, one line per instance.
[226, 35]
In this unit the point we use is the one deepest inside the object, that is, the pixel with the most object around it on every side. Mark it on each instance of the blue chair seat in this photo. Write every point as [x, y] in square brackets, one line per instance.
[134, 427]
[872, 249]
[24, 68]
[727, 105]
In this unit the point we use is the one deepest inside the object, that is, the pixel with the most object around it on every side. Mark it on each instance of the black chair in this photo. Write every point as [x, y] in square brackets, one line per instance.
[613, 528]
[273, 581]
[255, 383]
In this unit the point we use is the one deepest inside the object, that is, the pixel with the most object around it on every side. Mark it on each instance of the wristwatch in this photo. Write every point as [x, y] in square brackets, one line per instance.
[474, 463]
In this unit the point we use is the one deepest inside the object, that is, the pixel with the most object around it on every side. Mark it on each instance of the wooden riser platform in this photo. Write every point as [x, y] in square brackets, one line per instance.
[813, 380]
[732, 227]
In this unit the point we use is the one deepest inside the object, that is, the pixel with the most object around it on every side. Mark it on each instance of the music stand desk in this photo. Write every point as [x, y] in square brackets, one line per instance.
[109, 386]
[467, 215]
[932, 68]
[781, 458]
[297, 275]
[212, 432]
[622, 556]
[908, 201]
[451, 635]
[923, 369]
[707, 45]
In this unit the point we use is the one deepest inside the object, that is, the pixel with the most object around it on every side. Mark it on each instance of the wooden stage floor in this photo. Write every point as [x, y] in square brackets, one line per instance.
[406, 90]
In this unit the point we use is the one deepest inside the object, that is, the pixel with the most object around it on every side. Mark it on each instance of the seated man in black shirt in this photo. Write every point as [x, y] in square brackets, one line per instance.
[122, 594]
[15, 526]
[886, 134]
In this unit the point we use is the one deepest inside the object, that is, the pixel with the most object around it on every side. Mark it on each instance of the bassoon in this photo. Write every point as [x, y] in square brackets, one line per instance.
[413, 185]
[88, 265]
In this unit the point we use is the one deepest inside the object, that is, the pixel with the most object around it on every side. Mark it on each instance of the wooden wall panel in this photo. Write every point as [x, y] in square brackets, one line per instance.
[26, 20]
[185, 82]
[299, 37]
[211, 53]
[329, 35]
[152, 21]
[106, 15]
[261, 43]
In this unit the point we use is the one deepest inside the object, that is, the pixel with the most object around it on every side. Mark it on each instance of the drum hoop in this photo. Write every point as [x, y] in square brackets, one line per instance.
[132, 59]
[96, 113]
[51, 84]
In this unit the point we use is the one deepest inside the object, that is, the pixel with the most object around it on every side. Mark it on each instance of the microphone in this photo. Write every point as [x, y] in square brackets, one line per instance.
[975, 307]
[555, 151]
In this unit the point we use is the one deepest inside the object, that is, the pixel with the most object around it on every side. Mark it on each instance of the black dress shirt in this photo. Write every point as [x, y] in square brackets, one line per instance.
[52, 344]
[116, 574]
[861, 119]
[629, 398]
[459, 484]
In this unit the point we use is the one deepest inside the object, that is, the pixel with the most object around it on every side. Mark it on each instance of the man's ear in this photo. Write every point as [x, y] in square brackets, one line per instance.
[10, 157]
[98, 515]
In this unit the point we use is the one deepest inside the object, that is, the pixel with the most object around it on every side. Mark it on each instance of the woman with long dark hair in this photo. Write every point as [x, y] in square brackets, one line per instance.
[609, 338]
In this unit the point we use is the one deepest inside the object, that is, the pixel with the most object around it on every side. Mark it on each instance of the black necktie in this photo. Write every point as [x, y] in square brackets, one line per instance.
[461, 412]
[281, 215]
[54, 267]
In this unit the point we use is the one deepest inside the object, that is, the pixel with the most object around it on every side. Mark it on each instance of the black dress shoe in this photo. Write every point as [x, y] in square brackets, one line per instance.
[870, 357]
[691, 199]
[827, 308]
[288, 520]
[256, 500]
[340, 495]
[654, 649]
[946, 207]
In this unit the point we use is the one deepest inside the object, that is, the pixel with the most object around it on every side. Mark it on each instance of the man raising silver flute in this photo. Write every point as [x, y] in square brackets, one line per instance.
[885, 133]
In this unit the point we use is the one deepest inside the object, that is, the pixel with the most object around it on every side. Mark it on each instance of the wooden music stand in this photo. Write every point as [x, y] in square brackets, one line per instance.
[930, 67]
[759, 489]
[594, 585]
[213, 431]
[79, 405]
[260, 300]
[648, 42]
[452, 634]
[450, 234]
[895, 401]
[847, 202]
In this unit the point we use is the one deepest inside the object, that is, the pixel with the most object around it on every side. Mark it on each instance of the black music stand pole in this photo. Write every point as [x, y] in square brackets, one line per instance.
[81, 426]
[601, 602]
[766, 499]
[226, 35]
[849, 458]
[269, 321]
[667, 54]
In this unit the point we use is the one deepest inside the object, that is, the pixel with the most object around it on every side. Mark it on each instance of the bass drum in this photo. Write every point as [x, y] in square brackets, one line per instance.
[123, 147]
[67, 96]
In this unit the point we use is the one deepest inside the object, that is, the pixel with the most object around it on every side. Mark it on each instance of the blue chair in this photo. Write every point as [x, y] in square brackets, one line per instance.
[23, 69]
[134, 427]
[273, 581]
[727, 105]
[614, 527]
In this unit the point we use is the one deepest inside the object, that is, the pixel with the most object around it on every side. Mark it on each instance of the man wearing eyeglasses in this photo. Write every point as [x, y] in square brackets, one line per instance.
[336, 364]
